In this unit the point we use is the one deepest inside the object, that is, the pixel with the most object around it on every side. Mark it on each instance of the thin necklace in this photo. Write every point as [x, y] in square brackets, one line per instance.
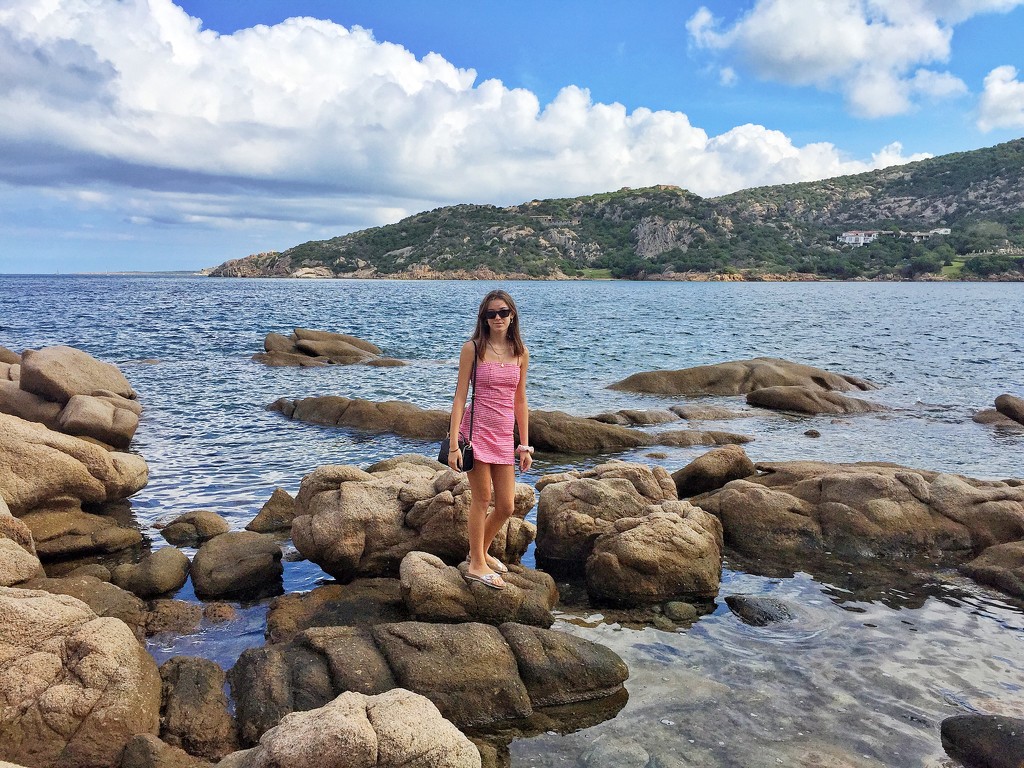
[500, 361]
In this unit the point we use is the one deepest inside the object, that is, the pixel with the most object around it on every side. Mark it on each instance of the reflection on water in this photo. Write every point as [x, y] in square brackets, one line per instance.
[878, 654]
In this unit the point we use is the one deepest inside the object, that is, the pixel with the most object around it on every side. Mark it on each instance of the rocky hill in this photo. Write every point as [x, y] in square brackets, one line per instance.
[780, 232]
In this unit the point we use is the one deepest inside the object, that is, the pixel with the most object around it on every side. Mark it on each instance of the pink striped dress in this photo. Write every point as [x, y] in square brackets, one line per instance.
[493, 412]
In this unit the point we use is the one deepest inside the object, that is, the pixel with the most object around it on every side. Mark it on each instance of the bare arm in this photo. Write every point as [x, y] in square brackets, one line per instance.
[461, 394]
[522, 411]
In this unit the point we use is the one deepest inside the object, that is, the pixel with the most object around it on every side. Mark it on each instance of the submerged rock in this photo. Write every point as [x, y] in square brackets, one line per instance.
[807, 400]
[360, 603]
[984, 741]
[357, 523]
[65, 666]
[713, 470]
[758, 611]
[739, 377]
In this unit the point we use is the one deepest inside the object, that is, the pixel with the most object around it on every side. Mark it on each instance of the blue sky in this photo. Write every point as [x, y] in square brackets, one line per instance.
[148, 135]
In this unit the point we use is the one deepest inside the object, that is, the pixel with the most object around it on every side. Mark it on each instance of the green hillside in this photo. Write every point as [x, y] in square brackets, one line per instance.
[768, 232]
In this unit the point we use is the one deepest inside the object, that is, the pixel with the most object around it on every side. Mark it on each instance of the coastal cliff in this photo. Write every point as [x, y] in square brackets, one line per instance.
[959, 216]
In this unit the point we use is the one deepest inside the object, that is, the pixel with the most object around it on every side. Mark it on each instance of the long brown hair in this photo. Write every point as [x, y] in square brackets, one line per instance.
[482, 333]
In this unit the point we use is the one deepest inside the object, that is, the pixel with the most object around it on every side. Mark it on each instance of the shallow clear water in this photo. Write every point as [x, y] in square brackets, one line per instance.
[829, 683]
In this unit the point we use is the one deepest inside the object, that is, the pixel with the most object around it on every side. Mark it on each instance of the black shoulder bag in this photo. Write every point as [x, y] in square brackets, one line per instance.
[466, 446]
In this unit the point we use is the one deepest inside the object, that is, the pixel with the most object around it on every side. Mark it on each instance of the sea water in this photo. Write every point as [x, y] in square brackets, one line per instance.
[877, 657]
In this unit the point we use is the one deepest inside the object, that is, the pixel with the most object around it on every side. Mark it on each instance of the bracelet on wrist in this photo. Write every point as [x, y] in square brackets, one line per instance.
[525, 449]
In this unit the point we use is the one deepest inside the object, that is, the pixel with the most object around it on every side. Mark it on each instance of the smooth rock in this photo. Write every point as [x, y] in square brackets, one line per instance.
[1012, 407]
[758, 611]
[276, 515]
[433, 591]
[395, 416]
[984, 741]
[76, 687]
[632, 418]
[9, 356]
[672, 553]
[100, 418]
[396, 729]
[708, 413]
[238, 563]
[992, 416]
[194, 708]
[163, 571]
[103, 598]
[713, 470]
[809, 400]
[68, 534]
[60, 373]
[356, 523]
[577, 507]
[739, 377]
[15, 401]
[193, 528]
[308, 334]
[76, 471]
[17, 564]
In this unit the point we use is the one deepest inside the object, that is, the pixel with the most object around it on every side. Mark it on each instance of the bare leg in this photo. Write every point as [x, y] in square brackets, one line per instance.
[480, 487]
[503, 477]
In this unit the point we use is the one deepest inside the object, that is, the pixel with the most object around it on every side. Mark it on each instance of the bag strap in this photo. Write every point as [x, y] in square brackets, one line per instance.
[472, 401]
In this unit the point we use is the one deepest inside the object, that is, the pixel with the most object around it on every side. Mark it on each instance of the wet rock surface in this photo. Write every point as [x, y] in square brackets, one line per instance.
[984, 741]
[194, 708]
[360, 603]
[740, 377]
[759, 611]
[1000, 566]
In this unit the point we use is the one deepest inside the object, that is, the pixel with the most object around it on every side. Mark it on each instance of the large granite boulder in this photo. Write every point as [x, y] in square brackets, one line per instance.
[69, 534]
[193, 528]
[1000, 566]
[9, 356]
[15, 401]
[674, 553]
[738, 378]
[276, 515]
[866, 509]
[357, 523]
[577, 507]
[194, 708]
[237, 564]
[41, 469]
[809, 400]
[75, 688]
[395, 729]
[106, 417]
[433, 591]
[158, 573]
[60, 373]
[984, 741]
[994, 417]
[476, 674]
[713, 470]
[1011, 407]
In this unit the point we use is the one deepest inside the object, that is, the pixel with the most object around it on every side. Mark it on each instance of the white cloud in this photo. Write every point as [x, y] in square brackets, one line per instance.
[879, 54]
[727, 76]
[134, 107]
[1002, 102]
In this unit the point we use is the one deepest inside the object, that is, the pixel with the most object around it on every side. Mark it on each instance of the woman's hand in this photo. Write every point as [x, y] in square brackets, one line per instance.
[455, 459]
[525, 461]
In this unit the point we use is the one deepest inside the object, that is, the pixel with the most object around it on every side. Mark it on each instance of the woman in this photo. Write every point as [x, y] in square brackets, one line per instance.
[499, 403]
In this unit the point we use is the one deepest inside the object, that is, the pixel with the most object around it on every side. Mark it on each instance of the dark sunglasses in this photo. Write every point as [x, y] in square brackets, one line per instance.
[490, 314]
